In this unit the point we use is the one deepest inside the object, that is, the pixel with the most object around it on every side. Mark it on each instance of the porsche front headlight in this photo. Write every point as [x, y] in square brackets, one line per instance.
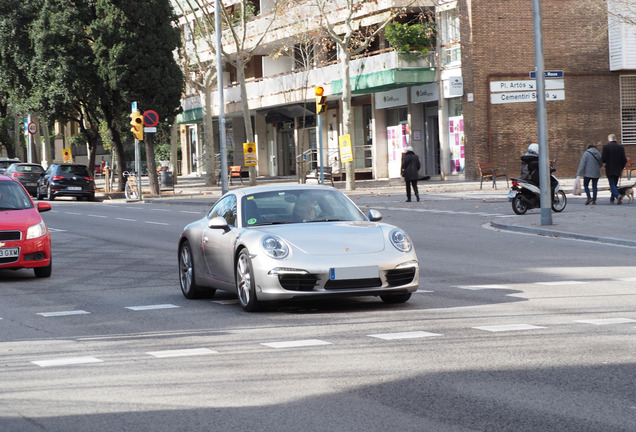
[35, 231]
[400, 240]
[275, 247]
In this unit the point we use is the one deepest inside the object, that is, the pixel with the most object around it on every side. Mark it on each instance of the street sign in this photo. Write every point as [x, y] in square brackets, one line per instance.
[512, 97]
[151, 118]
[548, 74]
[33, 128]
[527, 85]
[249, 154]
[150, 129]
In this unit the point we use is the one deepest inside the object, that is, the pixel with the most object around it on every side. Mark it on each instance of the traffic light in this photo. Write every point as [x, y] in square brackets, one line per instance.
[321, 100]
[137, 123]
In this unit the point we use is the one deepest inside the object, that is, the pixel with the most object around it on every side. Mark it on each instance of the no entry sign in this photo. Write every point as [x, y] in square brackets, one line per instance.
[151, 118]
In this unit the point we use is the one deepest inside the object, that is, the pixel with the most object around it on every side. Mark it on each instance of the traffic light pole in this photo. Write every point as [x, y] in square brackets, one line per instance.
[322, 169]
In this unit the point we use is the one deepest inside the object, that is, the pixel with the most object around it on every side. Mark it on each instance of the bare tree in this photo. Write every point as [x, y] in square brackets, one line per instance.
[243, 46]
[341, 19]
[200, 69]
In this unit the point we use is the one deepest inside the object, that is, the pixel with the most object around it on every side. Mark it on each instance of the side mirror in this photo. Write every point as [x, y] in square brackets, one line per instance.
[374, 215]
[43, 207]
[219, 222]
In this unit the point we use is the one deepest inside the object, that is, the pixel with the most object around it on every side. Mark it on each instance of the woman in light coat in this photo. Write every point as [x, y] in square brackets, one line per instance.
[590, 169]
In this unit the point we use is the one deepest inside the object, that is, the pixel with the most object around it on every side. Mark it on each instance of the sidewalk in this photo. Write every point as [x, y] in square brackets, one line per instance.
[605, 223]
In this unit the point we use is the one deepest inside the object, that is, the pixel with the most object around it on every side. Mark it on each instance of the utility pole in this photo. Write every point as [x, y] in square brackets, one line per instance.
[542, 119]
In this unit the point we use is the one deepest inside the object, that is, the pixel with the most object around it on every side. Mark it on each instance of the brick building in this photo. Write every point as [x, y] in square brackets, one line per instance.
[592, 100]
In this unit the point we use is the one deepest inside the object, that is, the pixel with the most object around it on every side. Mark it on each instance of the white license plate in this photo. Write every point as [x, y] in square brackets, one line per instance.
[74, 188]
[343, 273]
[31, 184]
[512, 194]
[9, 252]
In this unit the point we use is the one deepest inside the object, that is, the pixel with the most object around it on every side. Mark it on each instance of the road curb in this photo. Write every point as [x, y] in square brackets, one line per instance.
[563, 234]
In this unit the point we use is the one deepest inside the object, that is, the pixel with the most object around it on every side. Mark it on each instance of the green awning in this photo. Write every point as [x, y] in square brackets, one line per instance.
[386, 80]
[190, 116]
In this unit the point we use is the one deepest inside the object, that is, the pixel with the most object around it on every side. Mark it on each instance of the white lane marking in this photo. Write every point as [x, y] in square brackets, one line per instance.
[627, 279]
[555, 283]
[439, 211]
[73, 213]
[156, 223]
[296, 344]
[97, 216]
[508, 327]
[63, 313]
[604, 321]
[421, 291]
[482, 287]
[404, 335]
[56, 230]
[126, 219]
[66, 361]
[190, 212]
[161, 210]
[181, 352]
[151, 307]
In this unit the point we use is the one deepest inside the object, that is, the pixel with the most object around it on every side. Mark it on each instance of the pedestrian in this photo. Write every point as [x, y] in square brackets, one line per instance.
[410, 172]
[590, 169]
[614, 158]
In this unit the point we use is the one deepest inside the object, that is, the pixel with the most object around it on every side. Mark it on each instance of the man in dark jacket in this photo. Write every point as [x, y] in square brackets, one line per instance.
[410, 172]
[614, 158]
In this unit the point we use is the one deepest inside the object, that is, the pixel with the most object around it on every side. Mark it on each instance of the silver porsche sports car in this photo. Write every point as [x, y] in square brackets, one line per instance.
[269, 243]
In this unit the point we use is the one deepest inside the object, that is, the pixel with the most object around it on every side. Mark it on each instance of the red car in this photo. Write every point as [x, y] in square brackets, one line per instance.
[25, 241]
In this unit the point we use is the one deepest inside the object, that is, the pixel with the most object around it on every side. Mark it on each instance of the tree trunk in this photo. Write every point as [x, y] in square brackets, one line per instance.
[347, 114]
[247, 119]
[151, 165]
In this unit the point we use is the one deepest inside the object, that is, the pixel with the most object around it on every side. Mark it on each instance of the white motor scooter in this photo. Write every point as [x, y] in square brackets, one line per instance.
[526, 195]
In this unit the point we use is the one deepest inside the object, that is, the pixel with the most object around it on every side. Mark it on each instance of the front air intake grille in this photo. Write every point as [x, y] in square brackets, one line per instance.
[353, 284]
[297, 282]
[10, 235]
[399, 277]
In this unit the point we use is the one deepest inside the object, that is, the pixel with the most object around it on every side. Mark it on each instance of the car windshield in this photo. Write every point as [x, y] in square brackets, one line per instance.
[13, 197]
[298, 206]
[29, 169]
[73, 170]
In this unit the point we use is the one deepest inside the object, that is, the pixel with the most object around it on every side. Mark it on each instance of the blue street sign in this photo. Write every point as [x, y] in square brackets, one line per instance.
[548, 74]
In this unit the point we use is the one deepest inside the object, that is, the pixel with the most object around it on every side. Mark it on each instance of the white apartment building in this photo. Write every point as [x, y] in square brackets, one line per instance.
[397, 100]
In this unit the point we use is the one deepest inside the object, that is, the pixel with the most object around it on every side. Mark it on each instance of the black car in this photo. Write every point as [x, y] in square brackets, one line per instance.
[26, 173]
[66, 179]
[4, 163]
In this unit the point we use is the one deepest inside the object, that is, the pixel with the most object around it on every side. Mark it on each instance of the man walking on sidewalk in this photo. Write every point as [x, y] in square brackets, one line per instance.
[410, 172]
[615, 160]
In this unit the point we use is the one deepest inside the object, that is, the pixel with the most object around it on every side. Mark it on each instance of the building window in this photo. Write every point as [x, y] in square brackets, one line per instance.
[628, 109]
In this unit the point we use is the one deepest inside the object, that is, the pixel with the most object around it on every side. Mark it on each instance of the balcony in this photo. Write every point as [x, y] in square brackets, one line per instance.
[369, 74]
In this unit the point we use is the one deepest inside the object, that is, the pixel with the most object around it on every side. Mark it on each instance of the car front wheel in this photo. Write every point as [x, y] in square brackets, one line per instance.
[44, 272]
[395, 298]
[245, 283]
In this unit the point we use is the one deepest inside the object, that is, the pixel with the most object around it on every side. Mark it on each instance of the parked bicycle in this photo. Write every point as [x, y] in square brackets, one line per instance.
[132, 185]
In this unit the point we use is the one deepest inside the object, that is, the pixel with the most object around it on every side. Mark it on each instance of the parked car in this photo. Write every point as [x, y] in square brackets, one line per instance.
[294, 242]
[4, 163]
[25, 241]
[66, 179]
[26, 173]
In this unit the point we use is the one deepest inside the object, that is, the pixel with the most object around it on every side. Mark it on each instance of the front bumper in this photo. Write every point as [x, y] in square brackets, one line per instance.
[295, 279]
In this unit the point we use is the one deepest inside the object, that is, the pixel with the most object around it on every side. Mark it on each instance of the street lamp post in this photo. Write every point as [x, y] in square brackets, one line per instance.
[542, 119]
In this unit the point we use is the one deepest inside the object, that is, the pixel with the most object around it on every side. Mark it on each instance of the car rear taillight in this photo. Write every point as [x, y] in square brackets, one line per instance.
[514, 183]
[88, 178]
[57, 177]
[16, 175]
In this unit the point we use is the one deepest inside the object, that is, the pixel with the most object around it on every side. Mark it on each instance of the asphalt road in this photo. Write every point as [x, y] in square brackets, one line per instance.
[508, 332]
